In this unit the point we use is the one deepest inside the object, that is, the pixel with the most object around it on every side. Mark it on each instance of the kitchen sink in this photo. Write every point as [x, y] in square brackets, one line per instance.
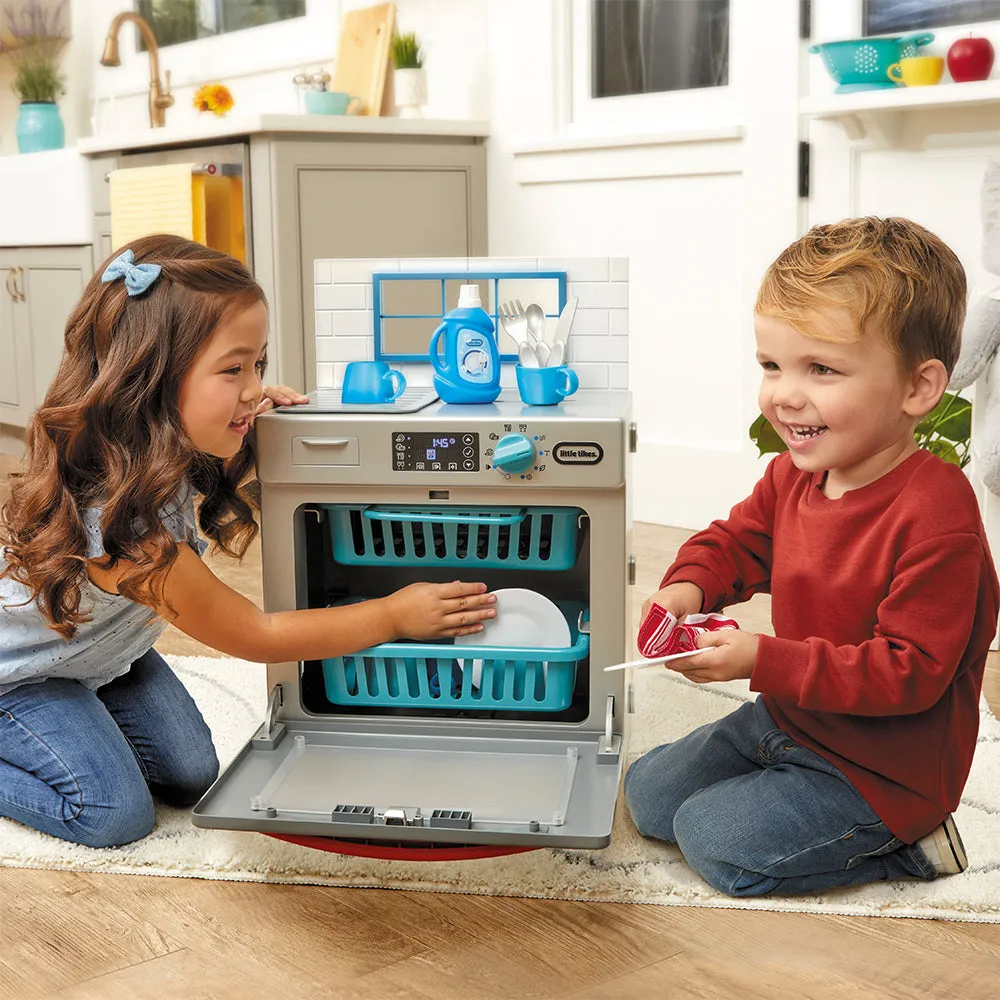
[45, 199]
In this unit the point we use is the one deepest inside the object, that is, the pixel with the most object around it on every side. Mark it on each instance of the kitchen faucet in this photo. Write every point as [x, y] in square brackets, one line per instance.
[159, 99]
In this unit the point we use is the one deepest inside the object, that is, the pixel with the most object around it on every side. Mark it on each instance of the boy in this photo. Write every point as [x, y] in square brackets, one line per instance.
[884, 597]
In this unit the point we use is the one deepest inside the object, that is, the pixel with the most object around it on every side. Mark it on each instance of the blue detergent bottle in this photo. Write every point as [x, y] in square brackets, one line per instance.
[468, 370]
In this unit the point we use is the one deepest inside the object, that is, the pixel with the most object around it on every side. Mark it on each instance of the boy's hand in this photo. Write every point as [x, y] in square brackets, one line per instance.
[278, 395]
[729, 655]
[680, 599]
[439, 610]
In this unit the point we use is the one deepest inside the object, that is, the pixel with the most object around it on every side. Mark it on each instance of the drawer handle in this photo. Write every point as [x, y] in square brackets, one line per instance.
[326, 442]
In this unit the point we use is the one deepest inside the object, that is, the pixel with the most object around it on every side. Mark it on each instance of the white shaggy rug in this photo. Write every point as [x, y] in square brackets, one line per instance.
[231, 694]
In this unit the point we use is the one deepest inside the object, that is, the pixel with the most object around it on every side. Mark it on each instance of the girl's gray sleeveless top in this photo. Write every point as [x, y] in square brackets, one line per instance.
[119, 632]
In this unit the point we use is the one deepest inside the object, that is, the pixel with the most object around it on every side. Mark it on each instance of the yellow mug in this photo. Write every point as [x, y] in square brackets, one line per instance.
[917, 71]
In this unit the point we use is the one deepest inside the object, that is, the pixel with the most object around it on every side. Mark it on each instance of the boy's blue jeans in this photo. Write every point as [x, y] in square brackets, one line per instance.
[83, 765]
[753, 812]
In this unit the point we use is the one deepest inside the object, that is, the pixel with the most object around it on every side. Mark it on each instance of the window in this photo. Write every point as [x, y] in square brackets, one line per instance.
[651, 46]
[885, 16]
[176, 21]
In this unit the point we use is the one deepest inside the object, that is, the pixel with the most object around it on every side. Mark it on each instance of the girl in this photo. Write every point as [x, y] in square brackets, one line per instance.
[152, 406]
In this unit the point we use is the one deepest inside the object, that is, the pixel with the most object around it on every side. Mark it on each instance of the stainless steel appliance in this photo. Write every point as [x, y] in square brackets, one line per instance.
[436, 744]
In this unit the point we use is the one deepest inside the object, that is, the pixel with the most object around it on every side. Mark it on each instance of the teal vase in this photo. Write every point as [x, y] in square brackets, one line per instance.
[39, 127]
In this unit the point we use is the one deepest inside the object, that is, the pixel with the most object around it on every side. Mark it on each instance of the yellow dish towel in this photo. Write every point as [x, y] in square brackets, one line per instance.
[148, 200]
[171, 199]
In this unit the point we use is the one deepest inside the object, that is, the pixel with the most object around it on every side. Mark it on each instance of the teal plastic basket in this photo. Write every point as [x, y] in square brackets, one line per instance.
[426, 675]
[504, 538]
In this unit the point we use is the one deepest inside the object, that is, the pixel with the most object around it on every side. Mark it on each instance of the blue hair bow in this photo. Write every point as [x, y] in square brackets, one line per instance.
[138, 277]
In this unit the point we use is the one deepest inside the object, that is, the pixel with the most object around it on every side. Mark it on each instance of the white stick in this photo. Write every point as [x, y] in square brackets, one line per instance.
[656, 661]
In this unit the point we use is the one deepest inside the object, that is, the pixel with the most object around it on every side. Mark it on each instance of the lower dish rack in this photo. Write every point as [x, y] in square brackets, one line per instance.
[443, 675]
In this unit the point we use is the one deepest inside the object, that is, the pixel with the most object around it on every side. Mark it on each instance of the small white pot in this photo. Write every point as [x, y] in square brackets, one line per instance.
[410, 87]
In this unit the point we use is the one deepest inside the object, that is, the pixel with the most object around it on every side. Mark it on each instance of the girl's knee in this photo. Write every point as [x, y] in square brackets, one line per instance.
[111, 824]
[191, 778]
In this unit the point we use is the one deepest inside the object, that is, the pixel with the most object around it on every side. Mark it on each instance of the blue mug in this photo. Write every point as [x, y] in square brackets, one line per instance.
[331, 102]
[371, 382]
[545, 386]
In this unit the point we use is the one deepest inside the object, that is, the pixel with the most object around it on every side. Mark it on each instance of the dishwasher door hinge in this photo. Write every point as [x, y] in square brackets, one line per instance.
[271, 732]
[609, 745]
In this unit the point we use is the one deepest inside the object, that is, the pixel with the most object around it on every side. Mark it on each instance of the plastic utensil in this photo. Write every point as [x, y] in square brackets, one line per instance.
[526, 355]
[557, 356]
[656, 661]
[542, 352]
[536, 321]
[566, 320]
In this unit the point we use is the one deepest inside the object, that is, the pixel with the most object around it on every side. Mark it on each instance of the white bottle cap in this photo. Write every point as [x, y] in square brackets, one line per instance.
[468, 297]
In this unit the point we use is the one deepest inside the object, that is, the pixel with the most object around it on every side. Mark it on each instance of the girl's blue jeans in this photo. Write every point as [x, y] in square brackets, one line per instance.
[83, 765]
[754, 812]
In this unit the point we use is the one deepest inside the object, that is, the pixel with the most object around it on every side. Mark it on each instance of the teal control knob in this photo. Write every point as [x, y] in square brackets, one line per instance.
[514, 453]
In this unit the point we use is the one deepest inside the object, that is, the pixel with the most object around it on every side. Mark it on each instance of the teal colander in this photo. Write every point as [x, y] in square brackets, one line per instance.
[863, 63]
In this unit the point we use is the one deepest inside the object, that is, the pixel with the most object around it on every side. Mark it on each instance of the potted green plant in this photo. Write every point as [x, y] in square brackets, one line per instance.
[409, 78]
[33, 41]
[946, 431]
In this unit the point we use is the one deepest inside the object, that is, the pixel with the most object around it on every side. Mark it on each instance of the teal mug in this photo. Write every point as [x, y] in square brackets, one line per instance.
[371, 382]
[545, 386]
[332, 102]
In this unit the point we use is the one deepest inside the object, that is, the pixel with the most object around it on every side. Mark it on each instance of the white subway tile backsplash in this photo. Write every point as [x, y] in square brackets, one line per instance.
[353, 323]
[343, 348]
[433, 264]
[599, 295]
[340, 296]
[324, 375]
[352, 272]
[618, 322]
[619, 268]
[591, 376]
[323, 272]
[590, 322]
[578, 268]
[606, 349]
[478, 264]
[324, 323]
[618, 376]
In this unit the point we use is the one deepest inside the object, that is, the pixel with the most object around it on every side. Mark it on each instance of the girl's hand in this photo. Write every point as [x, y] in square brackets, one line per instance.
[680, 599]
[278, 395]
[729, 654]
[439, 610]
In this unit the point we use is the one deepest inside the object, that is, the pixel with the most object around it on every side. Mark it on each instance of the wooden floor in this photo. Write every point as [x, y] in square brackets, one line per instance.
[119, 937]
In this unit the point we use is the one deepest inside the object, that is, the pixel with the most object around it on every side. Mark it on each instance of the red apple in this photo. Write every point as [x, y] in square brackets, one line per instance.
[970, 59]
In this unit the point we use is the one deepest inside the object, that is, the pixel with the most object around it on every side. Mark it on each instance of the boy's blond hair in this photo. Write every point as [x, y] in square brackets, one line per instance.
[891, 276]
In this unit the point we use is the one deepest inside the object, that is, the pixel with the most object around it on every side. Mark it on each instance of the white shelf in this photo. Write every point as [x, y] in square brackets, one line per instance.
[878, 112]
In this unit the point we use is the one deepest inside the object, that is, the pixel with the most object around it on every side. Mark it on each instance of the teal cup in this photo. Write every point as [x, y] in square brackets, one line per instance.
[371, 382]
[545, 386]
[332, 102]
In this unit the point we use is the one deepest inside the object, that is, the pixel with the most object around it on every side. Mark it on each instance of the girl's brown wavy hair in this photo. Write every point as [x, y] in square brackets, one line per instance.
[109, 435]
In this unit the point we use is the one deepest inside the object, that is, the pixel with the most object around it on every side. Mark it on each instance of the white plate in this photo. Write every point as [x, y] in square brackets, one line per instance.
[524, 619]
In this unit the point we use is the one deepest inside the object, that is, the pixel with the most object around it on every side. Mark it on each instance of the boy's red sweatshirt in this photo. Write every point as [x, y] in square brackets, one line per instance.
[884, 604]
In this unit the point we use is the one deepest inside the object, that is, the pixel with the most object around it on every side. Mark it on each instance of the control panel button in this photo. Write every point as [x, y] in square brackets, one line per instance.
[514, 453]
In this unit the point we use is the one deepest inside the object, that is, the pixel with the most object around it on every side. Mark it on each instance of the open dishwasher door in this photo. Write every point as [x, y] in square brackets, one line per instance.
[465, 787]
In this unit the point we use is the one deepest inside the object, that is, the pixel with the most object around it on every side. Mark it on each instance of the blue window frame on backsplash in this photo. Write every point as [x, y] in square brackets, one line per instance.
[420, 315]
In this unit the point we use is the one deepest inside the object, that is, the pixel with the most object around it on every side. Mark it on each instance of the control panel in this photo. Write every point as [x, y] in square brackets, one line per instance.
[435, 451]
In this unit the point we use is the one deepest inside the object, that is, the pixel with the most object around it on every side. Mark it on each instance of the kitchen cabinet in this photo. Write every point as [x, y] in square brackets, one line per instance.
[39, 286]
[322, 187]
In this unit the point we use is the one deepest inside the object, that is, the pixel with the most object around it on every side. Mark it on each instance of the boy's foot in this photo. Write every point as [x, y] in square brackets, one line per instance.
[944, 849]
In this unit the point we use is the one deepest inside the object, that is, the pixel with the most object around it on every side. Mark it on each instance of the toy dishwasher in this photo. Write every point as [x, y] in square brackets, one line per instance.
[413, 744]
